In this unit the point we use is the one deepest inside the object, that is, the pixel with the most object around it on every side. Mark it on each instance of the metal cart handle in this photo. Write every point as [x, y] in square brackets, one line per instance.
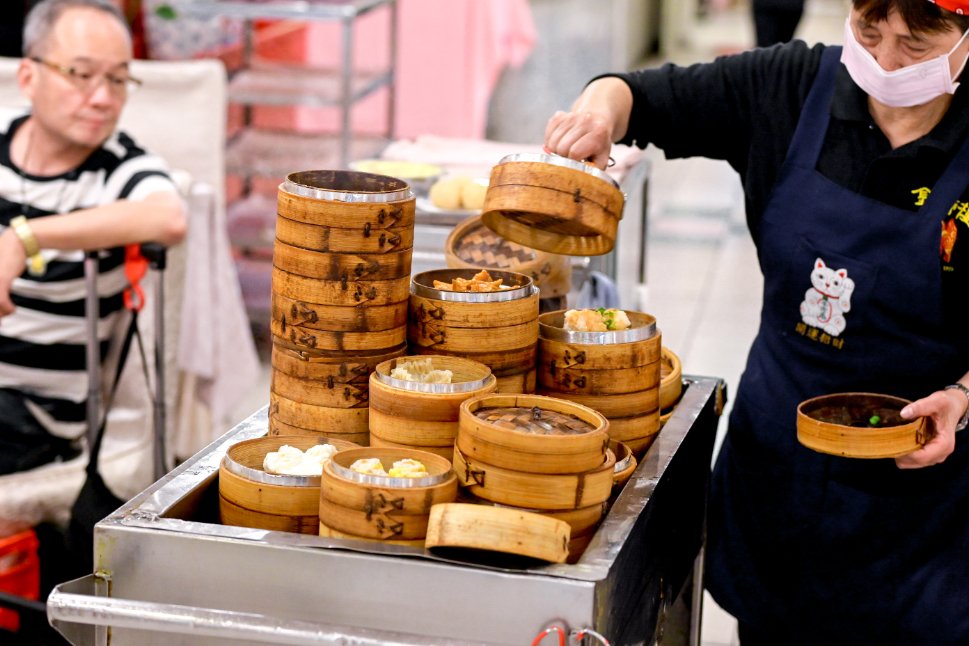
[66, 609]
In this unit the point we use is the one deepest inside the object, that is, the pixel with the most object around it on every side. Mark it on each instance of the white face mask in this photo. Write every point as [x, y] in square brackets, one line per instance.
[904, 87]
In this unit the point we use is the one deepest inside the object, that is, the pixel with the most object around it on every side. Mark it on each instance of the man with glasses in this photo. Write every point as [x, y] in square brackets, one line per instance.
[69, 182]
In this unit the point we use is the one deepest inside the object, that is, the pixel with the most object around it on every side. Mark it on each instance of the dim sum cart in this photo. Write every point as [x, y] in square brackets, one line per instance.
[167, 573]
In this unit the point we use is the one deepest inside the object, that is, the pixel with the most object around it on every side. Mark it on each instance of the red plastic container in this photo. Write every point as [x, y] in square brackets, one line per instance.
[19, 572]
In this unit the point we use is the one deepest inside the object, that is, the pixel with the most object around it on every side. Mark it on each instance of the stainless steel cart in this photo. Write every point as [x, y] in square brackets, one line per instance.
[167, 573]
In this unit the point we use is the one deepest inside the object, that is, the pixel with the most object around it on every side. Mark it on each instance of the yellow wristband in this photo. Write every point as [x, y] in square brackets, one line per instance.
[36, 264]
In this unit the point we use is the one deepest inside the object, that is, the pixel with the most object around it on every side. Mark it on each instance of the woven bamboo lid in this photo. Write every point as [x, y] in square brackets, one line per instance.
[859, 425]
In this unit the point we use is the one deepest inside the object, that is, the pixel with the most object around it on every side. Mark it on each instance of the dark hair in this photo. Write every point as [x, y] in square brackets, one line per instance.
[921, 16]
[42, 18]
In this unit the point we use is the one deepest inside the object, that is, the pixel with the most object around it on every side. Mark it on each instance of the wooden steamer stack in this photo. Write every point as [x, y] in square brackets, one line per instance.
[616, 373]
[537, 454]
[424, 416]
[341, 271]
[498, 329]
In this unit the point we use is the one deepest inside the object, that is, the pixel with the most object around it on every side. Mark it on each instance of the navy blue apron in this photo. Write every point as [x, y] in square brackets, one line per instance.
[823, 549]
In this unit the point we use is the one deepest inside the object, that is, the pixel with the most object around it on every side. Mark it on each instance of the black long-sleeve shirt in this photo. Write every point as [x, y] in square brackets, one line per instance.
[744, 109]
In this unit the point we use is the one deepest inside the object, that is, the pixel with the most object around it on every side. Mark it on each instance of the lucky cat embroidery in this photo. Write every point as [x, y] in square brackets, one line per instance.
[826, 302]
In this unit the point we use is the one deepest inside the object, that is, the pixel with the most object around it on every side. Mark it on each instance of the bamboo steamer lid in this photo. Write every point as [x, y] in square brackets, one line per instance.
[859, 425]
[671, 379]
[250, 497]
[496, 529]
[532, 433]
[535, 490]
[554, 204]
[472, 245]
[380, 507]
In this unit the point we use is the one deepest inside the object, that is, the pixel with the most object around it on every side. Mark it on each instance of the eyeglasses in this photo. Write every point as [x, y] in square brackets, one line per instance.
[87, 80]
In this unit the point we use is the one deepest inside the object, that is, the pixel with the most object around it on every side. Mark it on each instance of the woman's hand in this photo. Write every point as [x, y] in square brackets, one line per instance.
[943, 410]
[12, 263]
[598, 117]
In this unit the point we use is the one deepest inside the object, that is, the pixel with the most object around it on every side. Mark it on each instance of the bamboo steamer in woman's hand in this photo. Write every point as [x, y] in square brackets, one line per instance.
[249, 496]
[498, 328]
[859, 425]
[554, 204]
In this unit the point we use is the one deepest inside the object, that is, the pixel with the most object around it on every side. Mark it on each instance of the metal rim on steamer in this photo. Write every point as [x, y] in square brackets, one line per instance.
[346, 186]
[258, 475]
[422, 285]
[622, 465]
[420, 387]
[550, 326]
[565, 162]
[387, 481]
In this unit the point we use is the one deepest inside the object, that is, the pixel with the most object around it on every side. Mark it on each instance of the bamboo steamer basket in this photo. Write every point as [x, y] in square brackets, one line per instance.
[340, 293]
[329, 368]
[336, 318]
[324, 420]
[535, 490]
[281, 428]
[496, 529]
[250, 497]
[554, 204]
[615, 372]
[409, 413]
[671, 379]
[500, 430]
[840, 424]
[581, 521]
[498, 329]
[446, 452]
[472, 245]
[341, 266]
[383, 508]
[335, 211]
[329, 532]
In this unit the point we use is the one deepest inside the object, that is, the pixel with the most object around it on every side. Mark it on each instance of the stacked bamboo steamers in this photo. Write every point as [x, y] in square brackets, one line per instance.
[537, 425]
[341, 272]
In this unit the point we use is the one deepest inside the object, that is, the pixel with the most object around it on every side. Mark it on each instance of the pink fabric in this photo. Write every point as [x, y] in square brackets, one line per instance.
[450, 55]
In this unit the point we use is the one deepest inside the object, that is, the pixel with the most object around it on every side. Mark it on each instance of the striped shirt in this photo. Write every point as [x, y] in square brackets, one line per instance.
[42, 344]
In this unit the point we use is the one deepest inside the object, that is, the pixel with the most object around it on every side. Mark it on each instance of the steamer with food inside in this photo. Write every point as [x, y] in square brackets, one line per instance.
[368, 504]
[498, 328]
[614, 371]
[251, 496]
[416, 401]
[340, 287]
[553, 203]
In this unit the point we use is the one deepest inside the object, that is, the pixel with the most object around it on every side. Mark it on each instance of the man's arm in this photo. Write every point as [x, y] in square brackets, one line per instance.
[159, 217]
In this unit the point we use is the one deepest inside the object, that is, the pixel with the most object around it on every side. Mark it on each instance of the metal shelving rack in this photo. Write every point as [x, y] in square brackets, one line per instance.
[265, 153]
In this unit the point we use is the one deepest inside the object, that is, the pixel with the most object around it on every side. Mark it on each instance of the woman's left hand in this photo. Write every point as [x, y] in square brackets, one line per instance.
[942, 409]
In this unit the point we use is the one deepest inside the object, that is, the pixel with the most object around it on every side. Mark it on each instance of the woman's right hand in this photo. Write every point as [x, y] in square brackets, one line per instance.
[598, 117]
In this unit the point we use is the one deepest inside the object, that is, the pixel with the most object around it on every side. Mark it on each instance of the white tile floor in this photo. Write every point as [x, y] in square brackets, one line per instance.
[703, 283]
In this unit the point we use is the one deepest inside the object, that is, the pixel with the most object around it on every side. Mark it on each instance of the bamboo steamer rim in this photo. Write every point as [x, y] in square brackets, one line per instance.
[521, 439]
[382, 374]
[859, 442]
[230, 464]
[551, 325]
[346, 186]
[438, 467]
[564, 162]
[422, 284]
[671, 383]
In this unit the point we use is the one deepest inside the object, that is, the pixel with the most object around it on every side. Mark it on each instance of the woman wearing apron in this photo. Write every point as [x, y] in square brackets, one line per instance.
[855, 164]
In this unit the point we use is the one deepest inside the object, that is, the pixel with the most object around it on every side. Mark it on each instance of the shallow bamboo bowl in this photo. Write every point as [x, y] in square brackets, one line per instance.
[408, 413]
[536, 490]
[250, 497]
[497, 529]
[498, 329]
[671, 379]
[839, 424]
[554, 204]
[509, 440]
[472, 245]
[383, 508]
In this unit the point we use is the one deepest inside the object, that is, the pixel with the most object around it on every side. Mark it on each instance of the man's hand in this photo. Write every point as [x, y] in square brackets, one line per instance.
[942, 409]
[12, 263]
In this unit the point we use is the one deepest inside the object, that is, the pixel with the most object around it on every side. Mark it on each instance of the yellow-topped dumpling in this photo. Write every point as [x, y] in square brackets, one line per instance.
[369, 466]
[598, 320]
[408, 468]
